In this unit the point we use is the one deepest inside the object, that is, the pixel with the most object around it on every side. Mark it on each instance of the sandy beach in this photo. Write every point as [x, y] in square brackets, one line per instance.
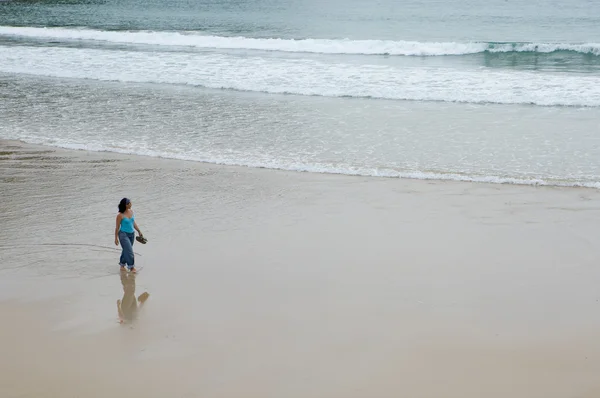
[277, 284]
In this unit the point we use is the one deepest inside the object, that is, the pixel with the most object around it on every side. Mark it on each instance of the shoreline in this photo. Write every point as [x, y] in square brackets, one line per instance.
[383, 173]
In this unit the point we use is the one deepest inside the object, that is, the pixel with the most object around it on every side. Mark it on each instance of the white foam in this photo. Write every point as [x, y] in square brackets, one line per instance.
[280, 164]
[584, 48]
[325, 46]
[306, 76]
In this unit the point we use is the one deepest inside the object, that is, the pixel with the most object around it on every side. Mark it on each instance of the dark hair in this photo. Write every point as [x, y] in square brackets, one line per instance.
[123, 205]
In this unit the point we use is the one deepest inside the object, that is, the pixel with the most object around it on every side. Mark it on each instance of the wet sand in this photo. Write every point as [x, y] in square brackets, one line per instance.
[266, 283]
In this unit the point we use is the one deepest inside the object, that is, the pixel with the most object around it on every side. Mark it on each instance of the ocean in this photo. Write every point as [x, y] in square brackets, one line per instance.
[498, 91]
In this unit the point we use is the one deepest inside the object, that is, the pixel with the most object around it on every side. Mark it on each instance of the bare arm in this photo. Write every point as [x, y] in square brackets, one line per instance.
[119, 217]
[137, 228]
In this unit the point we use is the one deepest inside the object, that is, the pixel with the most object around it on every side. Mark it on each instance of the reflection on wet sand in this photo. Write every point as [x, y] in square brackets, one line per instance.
[129, 306]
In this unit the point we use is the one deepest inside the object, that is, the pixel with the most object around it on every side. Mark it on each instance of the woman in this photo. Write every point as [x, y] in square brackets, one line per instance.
[124, 232]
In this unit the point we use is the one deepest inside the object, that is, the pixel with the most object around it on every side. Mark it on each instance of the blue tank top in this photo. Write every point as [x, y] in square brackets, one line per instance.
[127, 224]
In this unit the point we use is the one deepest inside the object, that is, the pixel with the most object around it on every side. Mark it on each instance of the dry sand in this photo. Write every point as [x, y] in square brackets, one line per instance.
[277, 284]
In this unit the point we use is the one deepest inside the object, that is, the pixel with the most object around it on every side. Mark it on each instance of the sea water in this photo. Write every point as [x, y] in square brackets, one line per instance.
[496, 91]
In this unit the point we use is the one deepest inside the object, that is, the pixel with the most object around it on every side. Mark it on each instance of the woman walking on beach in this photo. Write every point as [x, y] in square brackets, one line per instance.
[124, 232]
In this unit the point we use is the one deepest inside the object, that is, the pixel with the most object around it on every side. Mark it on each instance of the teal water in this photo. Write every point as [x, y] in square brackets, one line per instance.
[451, 20]
[386, 88]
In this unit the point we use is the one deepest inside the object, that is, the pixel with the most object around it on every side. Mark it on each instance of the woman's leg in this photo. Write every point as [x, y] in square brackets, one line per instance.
[122, 258]
[132, 239]
[127, 256]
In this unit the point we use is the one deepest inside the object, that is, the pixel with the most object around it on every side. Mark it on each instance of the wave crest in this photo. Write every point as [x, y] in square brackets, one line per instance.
[320, 46]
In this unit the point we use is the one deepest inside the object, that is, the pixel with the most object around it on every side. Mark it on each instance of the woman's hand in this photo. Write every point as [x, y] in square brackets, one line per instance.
[116, 241]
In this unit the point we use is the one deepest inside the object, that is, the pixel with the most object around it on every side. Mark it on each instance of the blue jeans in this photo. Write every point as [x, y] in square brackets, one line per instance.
[127, 239]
